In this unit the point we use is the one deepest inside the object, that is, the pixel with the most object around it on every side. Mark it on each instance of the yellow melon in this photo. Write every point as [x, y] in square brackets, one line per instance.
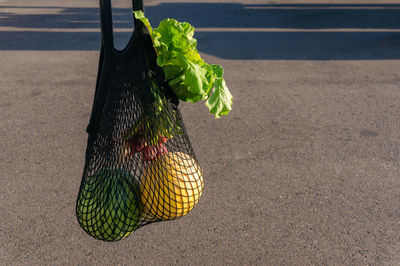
[171, 185]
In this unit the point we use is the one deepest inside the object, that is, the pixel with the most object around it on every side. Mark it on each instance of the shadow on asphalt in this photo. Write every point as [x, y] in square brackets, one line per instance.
[227, 30]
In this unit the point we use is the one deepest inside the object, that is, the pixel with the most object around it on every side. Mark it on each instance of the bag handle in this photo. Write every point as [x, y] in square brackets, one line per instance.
[107, 33]
[107, 48]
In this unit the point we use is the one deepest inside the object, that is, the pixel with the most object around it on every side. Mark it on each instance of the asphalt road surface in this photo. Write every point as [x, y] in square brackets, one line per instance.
[303, 171]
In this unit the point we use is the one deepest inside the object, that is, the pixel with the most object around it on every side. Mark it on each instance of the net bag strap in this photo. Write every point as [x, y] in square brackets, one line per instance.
[107, 38]
[107, 34]
[106, 54]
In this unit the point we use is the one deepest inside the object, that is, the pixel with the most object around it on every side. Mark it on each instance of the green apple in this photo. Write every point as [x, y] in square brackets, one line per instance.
[108, 205]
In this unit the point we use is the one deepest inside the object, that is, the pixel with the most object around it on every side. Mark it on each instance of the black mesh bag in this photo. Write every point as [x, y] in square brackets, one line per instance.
[140, 166]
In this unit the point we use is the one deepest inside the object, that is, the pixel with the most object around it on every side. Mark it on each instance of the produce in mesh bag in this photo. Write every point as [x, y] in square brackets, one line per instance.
[140, 165]
[171, 185]
[108, 206]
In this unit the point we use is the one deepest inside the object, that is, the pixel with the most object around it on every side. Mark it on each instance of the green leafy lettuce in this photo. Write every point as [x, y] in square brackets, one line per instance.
[189, 76]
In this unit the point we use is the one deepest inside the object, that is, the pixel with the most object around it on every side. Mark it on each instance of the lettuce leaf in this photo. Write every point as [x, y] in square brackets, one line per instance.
[220, 101]
[190, 78]
[140, 16]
